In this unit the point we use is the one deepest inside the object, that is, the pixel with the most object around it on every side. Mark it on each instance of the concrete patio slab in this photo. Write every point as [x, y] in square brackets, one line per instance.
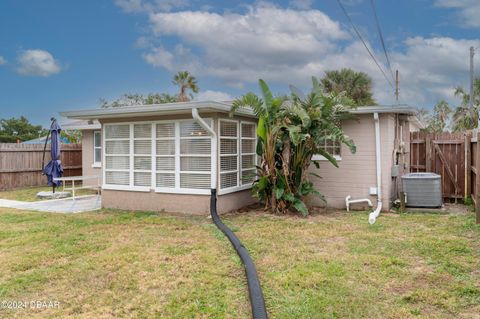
[67, 205]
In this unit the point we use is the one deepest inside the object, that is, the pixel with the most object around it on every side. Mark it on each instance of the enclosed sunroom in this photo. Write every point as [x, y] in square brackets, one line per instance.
[169, 157]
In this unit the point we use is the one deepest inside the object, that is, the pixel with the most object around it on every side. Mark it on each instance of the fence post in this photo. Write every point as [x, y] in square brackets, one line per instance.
[468, 165]
[428, 153]
[477, 179]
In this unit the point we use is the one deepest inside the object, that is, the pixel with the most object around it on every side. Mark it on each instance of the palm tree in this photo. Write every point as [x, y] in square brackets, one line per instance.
[438, 121]
[356, 85]
[465, 117]
[185, 82]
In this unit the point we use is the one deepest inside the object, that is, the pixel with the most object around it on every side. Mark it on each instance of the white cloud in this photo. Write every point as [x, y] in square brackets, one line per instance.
[37, 63]
[468, 10]
[265, 41]
[2, 60]
[283, 46]
[210, 95]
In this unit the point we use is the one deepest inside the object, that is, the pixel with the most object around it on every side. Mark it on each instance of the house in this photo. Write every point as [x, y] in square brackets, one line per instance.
[356, 175]
[159, 157]
[41, 140]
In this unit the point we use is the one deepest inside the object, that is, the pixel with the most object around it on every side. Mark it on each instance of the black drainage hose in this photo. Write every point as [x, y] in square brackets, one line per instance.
[254, 289]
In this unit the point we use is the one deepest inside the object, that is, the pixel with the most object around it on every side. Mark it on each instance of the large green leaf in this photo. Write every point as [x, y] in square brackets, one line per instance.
[267, 94]
[262, 183]
[261, 129]
[279, 190]
[328, 156]
[300, 206]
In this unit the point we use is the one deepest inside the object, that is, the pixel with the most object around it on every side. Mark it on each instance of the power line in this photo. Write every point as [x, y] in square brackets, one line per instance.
[379, 29]
[364, 44]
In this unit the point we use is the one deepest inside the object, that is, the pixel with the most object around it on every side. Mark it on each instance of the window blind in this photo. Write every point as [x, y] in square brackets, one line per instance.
[248, 161]
[117, 150]
[228, 154]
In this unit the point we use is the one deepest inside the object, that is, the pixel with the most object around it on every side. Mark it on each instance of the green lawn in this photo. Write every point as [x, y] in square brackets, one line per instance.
[115, 264]
[29, 194]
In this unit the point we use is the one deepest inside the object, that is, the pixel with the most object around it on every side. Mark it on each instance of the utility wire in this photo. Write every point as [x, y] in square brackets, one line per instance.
[381, 38]
[364, 44]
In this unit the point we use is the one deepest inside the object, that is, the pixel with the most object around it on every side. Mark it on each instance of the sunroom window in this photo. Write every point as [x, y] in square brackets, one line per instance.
[248, 153]
[195, 156]
[228, 154]
[117, 154]
[168, 156]
[237, 154]
[97, 148]
[142, 155]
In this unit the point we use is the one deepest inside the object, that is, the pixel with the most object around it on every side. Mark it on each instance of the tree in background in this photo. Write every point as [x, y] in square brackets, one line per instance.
[440, 118]
[185, 82]
[356, 85]
[72, 136]
[132, 99]
[289, 133]
[21, 129]
[465, 117]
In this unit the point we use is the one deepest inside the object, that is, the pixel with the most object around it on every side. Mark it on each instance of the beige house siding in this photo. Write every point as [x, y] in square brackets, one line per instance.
[87, 158]
[357, 172]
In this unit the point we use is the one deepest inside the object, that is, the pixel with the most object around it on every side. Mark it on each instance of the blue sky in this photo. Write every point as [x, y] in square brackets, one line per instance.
[63, 55]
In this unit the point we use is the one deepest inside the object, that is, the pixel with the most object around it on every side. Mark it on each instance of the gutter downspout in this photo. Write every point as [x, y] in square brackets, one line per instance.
[211, 132]
[373, 215]
[254, 289]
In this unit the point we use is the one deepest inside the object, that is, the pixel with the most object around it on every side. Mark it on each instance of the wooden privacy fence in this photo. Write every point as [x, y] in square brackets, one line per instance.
[443, 154]
[21, 164]
[454, 156]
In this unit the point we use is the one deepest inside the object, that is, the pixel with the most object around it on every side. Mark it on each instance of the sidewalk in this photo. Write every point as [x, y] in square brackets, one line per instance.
[66, 205]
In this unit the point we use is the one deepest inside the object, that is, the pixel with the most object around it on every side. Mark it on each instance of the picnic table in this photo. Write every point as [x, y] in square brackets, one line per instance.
[73, 187]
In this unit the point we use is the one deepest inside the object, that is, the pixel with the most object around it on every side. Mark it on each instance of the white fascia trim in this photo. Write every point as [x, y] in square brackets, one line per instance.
[323, 158]
[156, 109]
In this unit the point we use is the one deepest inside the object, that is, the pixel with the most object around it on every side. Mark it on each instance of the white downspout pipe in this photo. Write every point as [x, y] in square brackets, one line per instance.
[349, 201]
[211, 132]
[373, 215]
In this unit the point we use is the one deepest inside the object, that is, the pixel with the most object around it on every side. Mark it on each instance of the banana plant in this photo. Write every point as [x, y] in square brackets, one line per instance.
[289, 132]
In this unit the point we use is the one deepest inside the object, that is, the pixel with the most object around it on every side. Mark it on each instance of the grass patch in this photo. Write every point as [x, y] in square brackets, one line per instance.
[113, 264]
[338, 266]
[29, 194]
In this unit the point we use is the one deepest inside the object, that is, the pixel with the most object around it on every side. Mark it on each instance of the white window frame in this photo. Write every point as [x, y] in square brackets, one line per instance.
[255, 159]
[133, 154]
[318, 157]
[97, 162]
[323, 158]
[239, 154]
[177, 189]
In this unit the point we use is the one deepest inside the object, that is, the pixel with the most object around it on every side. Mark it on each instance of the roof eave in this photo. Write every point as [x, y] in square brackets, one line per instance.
[152, 110]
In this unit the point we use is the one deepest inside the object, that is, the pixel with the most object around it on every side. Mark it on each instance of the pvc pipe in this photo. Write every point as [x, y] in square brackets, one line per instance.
[349, 201]
[373, 215]
[206, 127]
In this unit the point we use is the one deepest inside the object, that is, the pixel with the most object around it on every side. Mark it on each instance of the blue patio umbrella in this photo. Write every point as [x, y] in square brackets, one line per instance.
[54, 168]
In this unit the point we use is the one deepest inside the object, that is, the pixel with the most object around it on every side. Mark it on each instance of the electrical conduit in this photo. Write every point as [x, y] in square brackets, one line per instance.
[373, 215]
[254, 289]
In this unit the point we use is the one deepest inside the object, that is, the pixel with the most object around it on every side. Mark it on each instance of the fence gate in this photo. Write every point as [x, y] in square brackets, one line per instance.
[443, 154]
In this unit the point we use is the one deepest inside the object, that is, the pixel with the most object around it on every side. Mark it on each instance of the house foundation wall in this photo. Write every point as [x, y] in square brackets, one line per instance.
[174, 203]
